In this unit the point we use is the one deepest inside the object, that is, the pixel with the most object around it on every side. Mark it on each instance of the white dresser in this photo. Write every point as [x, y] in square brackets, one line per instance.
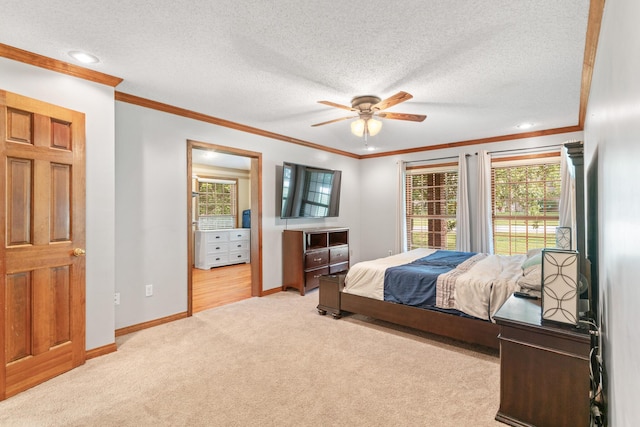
[215, 248]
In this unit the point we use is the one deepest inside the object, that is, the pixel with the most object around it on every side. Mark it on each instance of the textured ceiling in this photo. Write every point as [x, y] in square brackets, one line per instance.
[475, 68]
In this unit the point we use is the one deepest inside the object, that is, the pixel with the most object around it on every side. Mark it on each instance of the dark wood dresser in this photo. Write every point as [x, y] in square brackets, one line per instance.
[544, 368]
[310, 253]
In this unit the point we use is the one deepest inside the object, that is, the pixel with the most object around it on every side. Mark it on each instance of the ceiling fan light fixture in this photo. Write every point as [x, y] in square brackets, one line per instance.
[373, 126]
[369, 127]
[357, 127]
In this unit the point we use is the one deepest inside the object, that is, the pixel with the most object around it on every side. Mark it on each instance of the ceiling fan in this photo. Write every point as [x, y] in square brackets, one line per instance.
[368, 107]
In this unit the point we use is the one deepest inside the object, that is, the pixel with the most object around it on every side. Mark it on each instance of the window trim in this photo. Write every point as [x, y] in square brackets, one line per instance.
[235, 196]
[439, 168]
[517, 161]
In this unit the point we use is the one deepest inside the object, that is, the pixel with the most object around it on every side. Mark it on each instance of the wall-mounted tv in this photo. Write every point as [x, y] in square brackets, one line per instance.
[309, 192]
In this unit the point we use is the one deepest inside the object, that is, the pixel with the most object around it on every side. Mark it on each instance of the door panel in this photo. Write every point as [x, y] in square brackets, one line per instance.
[60, 202]
[43, 282]
[19, 201]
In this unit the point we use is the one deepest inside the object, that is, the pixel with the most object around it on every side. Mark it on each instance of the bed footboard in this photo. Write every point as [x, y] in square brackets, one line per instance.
[472, 331]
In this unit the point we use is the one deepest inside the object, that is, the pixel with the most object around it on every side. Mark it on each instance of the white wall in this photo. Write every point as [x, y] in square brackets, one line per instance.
[379, 177]
[151, 198]
[612, 134]
[96, 101]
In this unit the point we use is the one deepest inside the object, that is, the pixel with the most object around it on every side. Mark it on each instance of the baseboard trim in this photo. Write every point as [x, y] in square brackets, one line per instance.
[150, 324]
[101, 351]
[271, 291]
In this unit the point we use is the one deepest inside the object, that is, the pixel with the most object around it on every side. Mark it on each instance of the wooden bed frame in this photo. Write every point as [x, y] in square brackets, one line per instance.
[473, 331]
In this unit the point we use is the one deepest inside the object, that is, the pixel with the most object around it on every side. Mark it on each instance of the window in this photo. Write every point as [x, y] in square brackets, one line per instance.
[431, 204]
[525, 199]
[217, 203]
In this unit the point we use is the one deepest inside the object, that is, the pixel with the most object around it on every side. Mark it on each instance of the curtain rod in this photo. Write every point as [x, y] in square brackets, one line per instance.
[434, 160]
[526, 148]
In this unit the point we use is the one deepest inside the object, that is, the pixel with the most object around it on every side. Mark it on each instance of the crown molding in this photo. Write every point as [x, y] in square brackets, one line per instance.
[41, 61]
[155, 105]
[596, 10]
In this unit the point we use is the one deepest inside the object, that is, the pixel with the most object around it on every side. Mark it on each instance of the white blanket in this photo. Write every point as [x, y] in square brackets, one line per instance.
[366, 278]
[478, 292]
[482, 290]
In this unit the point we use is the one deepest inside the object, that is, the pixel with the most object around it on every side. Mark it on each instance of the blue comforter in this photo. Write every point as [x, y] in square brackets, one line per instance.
[415, 283]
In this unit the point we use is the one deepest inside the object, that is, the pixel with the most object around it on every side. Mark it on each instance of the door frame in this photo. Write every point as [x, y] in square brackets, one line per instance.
[256, 215]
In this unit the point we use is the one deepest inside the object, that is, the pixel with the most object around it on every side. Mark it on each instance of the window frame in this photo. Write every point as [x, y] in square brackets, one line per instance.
[217, 220]
[441, 216]
[532, 239]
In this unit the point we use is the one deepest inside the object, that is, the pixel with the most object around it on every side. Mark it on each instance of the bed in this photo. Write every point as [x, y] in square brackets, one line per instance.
[461, 299]
[449, 293]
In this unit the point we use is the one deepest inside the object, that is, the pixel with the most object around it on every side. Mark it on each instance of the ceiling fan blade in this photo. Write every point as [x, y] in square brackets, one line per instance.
[333, 104]
[391, 101]
[403, 116]
[334, 120]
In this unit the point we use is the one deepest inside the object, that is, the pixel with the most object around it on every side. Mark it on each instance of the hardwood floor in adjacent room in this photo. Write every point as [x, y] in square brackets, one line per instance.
[220, 285]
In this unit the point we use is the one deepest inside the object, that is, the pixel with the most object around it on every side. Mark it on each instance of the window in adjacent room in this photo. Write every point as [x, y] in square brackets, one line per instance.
[217, 203]
[525, 199]
[431, 206]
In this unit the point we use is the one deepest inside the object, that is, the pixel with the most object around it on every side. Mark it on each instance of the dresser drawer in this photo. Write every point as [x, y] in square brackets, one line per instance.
[338, 254]
[239, 234]
[217, 259]
[312, 278]
[217, 247]
[239, 256]
[240, 245]
[212, 237]
[314, 259]
[338, 268]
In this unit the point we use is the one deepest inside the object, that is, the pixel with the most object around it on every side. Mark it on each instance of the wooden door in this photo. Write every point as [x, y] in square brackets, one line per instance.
[42, 267]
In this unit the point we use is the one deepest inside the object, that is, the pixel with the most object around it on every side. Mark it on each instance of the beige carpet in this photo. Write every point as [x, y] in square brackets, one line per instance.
[270, 361]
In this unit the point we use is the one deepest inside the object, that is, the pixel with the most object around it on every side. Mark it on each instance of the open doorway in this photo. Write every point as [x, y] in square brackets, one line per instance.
[234, 272]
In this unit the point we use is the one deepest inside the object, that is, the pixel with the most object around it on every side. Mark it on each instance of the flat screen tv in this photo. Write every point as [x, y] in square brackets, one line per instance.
[309, 192]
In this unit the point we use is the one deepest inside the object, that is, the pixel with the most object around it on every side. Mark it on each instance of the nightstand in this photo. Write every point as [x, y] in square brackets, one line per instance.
[544, 368]
[329, 295]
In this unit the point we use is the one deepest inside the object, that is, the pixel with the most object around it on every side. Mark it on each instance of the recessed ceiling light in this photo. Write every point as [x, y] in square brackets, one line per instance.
[526, 125]
[84, 57]
[370, 148]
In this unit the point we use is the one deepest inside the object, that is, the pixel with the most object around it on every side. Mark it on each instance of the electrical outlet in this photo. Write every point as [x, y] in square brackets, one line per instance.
[116, 298]
[148, 291]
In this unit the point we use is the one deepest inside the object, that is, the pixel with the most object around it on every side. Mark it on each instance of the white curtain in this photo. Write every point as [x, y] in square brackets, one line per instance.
[484, 229]
[401, 235]
[567, 207]
[463, 225]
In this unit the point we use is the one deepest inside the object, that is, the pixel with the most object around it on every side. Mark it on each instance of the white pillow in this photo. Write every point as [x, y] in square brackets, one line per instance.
[532, 252]
[531, 277]
[532, 261]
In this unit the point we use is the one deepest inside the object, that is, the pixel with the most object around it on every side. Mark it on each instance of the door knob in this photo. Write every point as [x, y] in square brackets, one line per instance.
[79, 252]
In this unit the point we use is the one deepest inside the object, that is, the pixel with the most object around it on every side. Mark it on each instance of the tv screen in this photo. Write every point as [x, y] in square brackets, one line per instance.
[309, 192]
